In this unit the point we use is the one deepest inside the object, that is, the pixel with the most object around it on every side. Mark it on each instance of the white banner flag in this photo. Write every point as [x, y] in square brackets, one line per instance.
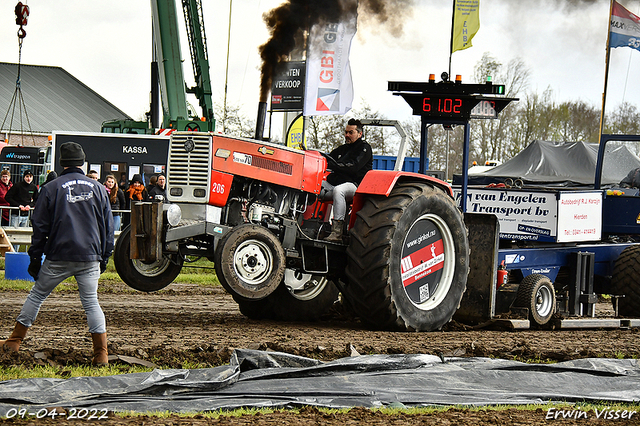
[329, 87]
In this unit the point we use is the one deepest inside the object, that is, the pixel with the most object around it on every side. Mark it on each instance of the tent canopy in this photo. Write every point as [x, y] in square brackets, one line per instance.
[559, 164]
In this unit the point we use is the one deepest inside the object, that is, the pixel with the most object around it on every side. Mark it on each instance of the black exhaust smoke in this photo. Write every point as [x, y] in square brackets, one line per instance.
[287, 21]
[260, 120]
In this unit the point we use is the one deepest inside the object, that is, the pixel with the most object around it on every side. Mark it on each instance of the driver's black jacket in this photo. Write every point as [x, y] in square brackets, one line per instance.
[72, 220]
[353, 161]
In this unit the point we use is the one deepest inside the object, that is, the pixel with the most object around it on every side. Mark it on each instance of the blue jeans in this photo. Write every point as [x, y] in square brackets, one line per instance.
[18, 221]
[116, 222]
[53, 273]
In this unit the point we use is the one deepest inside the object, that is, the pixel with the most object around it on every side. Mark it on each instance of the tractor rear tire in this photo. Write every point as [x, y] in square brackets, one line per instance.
[408, 259]
[144, 276]
[536, 293]
[300, 304]
[304, 304]
[626, 281]
[255, 309]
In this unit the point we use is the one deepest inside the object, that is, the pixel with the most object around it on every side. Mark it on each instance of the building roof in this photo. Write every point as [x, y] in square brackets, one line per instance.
[53, 99]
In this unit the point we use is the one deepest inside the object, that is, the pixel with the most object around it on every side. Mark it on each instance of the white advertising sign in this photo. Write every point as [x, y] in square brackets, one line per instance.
[329, 88]
[529, 216]
[579, 216]
[559, 216]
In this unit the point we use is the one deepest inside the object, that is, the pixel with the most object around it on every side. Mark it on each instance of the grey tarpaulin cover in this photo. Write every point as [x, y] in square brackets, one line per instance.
[273, 379]
[559, 164]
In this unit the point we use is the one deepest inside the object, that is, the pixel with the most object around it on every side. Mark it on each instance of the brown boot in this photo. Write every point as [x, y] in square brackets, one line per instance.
[13, 342]
[100, 355]
[336, 231]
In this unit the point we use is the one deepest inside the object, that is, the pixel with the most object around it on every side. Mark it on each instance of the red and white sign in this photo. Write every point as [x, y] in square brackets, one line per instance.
[329, 86]
[220, 188]
[423, 262]
[579, 216]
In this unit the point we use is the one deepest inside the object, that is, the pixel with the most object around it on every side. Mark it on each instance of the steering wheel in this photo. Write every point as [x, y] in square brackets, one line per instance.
[329, 158]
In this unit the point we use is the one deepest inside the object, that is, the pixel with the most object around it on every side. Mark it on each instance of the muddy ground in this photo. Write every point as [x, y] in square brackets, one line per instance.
[202, 325]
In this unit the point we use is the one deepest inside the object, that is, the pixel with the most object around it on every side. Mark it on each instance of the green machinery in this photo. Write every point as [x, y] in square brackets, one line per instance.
[167, 73]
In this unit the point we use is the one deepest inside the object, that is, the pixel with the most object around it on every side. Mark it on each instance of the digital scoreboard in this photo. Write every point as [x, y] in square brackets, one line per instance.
[452, 100]
[451, 103]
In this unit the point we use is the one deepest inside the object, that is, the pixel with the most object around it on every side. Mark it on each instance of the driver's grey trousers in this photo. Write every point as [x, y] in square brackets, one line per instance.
[341, 194]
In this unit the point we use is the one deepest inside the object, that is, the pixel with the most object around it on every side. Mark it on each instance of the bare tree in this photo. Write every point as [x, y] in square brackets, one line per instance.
[490, 139]
[625, 119]
[325, 133]
[577, 121]
[412, 127]
[233, 122]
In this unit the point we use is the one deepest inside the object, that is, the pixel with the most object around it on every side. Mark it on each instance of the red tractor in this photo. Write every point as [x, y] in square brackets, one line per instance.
[254, 209]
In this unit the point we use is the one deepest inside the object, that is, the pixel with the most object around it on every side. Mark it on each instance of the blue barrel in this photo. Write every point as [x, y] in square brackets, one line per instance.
[16, 265]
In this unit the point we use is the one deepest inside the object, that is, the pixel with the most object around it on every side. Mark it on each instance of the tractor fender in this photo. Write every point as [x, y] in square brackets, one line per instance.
[381, 182]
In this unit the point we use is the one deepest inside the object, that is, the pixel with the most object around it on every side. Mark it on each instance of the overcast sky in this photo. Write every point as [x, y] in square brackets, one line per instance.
[107, 46]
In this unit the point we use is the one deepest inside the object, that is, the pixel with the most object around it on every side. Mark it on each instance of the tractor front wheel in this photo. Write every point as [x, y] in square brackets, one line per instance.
[249, 262]
[144, 276]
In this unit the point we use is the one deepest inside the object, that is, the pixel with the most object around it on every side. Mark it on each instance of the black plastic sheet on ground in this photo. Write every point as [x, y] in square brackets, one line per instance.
[277, 380]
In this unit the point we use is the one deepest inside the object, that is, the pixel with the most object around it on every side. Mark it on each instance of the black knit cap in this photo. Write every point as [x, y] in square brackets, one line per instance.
[71, 154]
[136, 178]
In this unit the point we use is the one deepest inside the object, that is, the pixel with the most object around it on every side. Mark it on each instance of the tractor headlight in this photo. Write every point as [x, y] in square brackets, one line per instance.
[173, 213]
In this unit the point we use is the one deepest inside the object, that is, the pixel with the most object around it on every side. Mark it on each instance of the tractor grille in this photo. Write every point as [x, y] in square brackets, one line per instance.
[275, 166]
[188, 168]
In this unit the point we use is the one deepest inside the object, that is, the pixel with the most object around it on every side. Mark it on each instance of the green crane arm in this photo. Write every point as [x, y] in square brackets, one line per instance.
[167, 54]
[199, 56]
[166, 41]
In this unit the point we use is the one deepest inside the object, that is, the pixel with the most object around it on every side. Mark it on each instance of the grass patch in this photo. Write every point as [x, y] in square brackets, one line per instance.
[21, 285]
[113, 369]
[199, 272]
[218, 413]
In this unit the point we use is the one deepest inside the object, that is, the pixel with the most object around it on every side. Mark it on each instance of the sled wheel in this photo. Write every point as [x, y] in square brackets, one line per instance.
[536, 293]
[249, 262]
[144, 276]
[300, 297]
[408, 259]
[626, 281]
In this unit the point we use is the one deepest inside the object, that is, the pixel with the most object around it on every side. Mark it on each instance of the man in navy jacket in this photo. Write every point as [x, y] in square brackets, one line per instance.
[73, 227]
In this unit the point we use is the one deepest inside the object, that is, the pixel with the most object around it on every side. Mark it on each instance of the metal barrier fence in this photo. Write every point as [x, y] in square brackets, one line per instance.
[18, 228]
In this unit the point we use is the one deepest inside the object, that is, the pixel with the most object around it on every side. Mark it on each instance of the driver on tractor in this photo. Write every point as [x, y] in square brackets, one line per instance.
[348, 163]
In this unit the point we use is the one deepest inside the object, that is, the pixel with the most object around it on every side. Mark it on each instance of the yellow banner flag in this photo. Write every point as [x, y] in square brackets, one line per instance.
[295, 134]
[466, 22]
